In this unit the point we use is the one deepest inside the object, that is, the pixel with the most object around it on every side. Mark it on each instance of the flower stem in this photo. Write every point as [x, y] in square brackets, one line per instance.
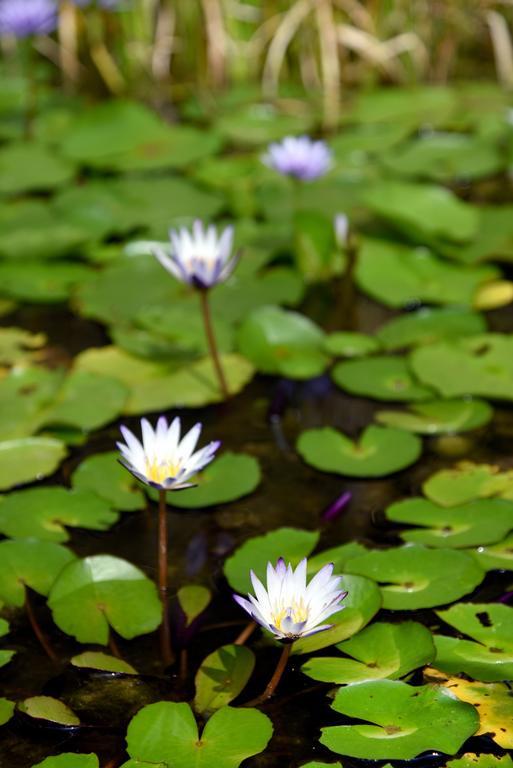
[246, 633]
[212, 344]
[43, 640]
[275, 679]
[165, 629]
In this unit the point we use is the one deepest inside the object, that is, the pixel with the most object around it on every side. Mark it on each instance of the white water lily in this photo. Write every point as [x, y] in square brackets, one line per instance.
[289, 608]
[161, 459]
[199, 257]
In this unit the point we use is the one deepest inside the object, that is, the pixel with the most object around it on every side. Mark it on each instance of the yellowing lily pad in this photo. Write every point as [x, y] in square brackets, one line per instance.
[468, 481]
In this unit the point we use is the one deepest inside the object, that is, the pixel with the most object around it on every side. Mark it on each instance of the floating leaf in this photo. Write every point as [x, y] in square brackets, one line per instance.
[427, 326]
[281, 342]
[103, 475]
[48, 708]
[350, 344]
[412, 106]
[99, 592]
[5, 656]
[439, 417]
[423, 211]
[397, 276]
[230, 477]
[88, 401]
[498, 293]
[29, 167]
[69, 760]
[292, 544]
[339, 556]
[362, 603]
[41, 282]
[407, 720]
[470, 760]
[18, 345]
[489, 655]
[379, 651]
[316, 252]
[466, 482]
[6, 710]
[222, 676]
[414, 577]
[193, 600]
[495, 707]
[167, 732]
[382, 378]
[32, 563]
[316, 764]
[28, 459]
[478, 365]
[480, 522]
[496, 556]
[30, 230]
[257, 124]
[494, 239]
[102, 662]
[44, 513]
[379, 451]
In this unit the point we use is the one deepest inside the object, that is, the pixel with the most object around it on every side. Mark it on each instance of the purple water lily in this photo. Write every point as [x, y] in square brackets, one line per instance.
[24, 18]
[300, 157]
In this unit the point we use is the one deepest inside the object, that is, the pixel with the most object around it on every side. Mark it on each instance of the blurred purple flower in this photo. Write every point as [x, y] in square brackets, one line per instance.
[107, 5]
[23, 18]
[336, 507]
[299, 157]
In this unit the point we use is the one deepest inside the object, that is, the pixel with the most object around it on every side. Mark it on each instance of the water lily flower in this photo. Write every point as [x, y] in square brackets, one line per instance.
[288, 608]
[161, 459]
[300, 157]
[24, 18]
[199, 257]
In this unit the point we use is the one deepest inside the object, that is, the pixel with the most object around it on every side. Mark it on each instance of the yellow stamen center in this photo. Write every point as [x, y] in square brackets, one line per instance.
[159, 472]
[297, 612]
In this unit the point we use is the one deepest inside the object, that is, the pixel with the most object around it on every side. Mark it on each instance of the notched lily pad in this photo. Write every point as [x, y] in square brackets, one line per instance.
[29, 563]
[429, 325]
[381, 378]
[193, 600]
[467, 481]
[103, 475]
[28, 459]
[230, 477]
[222, 676]
[379, 451]
[439, 417]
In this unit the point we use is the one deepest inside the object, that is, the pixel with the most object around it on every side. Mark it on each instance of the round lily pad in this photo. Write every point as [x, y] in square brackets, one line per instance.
[48, 708]
[28, 459]
[406, 721]
[87, 401]
[69, 760]
[337, 555]
[470, 760]
[103, 475]
[32, 563]
[477, 365]
[222, 676]
[397, 276]
[44, 513]
[292, 544]
[377, 652]
[468, 481]
[281, 342]
[489, 655]
[103, 662]
[414, 577]
[167, 732]
[350, 344]
[476, 523]
[93, 594]
[230, 477]
[362, 603]
[29, 167]
[41, 282]
[378, 452]
[382, 378]
[439, 417]
[429, 325]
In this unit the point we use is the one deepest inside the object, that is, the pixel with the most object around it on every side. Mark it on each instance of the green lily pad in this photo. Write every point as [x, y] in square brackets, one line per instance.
[413, 576]
[478, 365]
[292, 544]
[25, 395]
[495, 557]
[28, 167]
[439, 417]
[339, 556]
[397, 275]
[104, 476]
[127, 136]
[6, 710]
[222, 676]
[193, 600]
[5, 656]
[281, 342]
[28, 459]
[476, 523]
[356, 145]
[423, 211]
[407, 720]
[18, 345]
[489, 655]
[412, 106]
[350, 344]
[93, 594]
[378, 452]
[381, 377]
[316, 253]
[470, 760]
[44, 513]
[102, 662]
[41, 282]
[257, 124]
[32, 563]
[427, 326]
[230, 477]
[185, 333]
[69, 760]
[444, 157]
[362, 603]
[377, 652]
[494, 240]
[468, 481]
[87, 401]
[167, 733]
[316, 764]
[48, 708]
